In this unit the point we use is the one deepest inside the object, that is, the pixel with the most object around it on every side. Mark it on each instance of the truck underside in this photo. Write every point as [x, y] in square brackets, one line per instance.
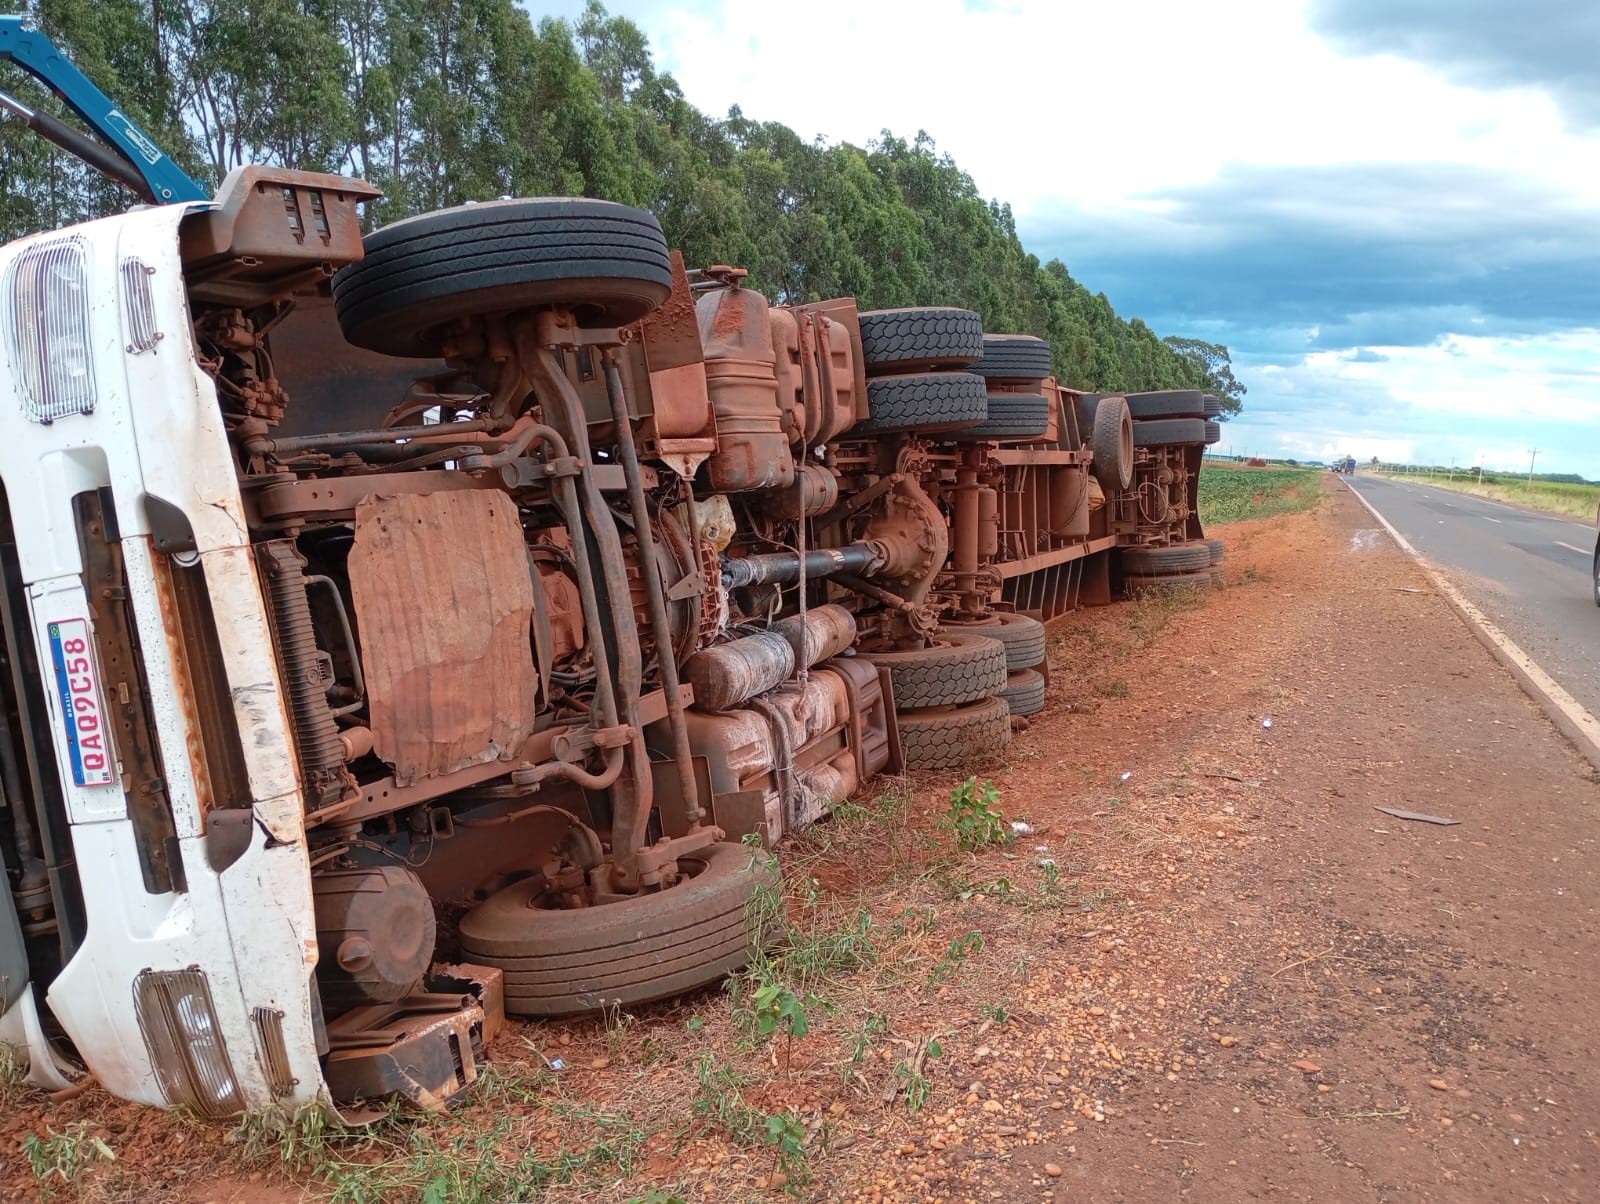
[561, 579]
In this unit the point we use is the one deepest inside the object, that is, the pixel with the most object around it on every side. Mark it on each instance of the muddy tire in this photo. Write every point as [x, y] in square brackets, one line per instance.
[1011, 417]
[1213, 406]
[1213, 432]
[1014, 357]
[1113, 444]
[1158, 562]
[1024, 692]
[1217, 549]
[1138, 585]
[608, 262]
[927, 402]
[1023, 638]
[959, 668]
[904, 340]
[950, 739]
[1162, 432]
[1167, 403]
[649, 946]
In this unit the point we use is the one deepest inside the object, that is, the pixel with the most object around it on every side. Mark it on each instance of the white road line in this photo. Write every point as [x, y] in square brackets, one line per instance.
[1570, 548]
[1487, 519]
[1565, 711]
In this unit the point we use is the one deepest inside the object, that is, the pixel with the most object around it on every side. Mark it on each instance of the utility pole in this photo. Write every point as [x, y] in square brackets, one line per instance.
[1533, 454]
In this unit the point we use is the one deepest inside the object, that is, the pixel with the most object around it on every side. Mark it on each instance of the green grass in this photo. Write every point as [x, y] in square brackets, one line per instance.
[1228, 495]
[1553, 497]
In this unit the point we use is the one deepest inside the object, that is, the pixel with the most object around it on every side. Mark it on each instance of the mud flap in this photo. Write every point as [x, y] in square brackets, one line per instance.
[20, 1028]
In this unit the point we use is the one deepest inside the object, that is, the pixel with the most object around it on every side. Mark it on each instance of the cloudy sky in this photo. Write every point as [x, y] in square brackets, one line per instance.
[1388, 209]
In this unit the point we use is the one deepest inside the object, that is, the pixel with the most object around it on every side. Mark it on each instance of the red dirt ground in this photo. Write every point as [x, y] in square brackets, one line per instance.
[1244, 983]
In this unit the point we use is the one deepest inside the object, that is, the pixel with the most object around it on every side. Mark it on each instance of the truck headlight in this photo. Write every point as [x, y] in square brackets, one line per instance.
[46, 298]
[185, 1041]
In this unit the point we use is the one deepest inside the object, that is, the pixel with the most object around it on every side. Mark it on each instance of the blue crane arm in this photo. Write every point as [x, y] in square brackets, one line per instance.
[137, 161]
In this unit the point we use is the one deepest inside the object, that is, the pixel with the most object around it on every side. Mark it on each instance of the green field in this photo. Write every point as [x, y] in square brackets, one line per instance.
[1553, 497]
[1228, 494]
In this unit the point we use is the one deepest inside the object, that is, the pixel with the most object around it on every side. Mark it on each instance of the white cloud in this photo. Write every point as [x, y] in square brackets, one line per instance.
[1092, 104]
[1471, 400]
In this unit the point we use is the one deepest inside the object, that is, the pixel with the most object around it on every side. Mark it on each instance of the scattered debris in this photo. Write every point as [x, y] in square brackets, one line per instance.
[1022, 827]
[1233, 777]
[1266, 723]
[1418, 816]
[1306, 1066]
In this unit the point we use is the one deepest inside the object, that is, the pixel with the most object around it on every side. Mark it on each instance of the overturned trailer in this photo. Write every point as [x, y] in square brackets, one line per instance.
[403, 632]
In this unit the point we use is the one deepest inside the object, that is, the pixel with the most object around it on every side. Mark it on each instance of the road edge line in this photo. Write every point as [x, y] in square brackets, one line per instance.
[1580, 728]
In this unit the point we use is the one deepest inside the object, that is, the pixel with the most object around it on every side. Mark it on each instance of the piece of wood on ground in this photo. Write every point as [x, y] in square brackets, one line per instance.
[1418, 816]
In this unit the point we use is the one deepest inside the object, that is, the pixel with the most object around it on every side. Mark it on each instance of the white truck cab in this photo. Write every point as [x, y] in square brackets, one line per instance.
[162, 935]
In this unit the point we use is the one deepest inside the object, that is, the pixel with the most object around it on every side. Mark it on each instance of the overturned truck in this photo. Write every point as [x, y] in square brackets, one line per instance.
[402, 632]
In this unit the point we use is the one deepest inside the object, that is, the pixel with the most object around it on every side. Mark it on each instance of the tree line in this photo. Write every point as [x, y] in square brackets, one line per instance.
[443, 101]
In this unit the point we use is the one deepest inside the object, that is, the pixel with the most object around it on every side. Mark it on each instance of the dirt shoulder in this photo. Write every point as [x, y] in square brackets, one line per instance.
[1223, 976]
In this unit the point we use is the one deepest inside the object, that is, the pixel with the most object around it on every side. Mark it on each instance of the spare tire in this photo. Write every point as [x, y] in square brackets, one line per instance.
[1178, 558]
[901, 340]
[953, 738]
[1164, 431]
[958, 668]
[1014, 357]
[639, 948]
[1113, 444]
[925, 402]
[1012, 417]
[607, 262]
[1167, 403]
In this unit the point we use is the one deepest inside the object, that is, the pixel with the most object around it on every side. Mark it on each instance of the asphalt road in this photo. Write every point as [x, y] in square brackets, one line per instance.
[1531, 574]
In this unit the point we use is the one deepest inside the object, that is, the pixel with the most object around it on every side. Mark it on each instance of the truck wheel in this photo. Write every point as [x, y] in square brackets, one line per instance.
[958, 668]
[925, 402]
[1213, 432]
[1597, 573]
[1011, 417]
[1217, 549]
[607, 261]
[1023, 638]
[904, 340]
[1213, 407]
[950, 739]
[640, 948]
[1024, 692]
[1113, 444]
[1138, 585]
[1158, 562]
[1014, 357]
[1167, 403]
[1160, 432]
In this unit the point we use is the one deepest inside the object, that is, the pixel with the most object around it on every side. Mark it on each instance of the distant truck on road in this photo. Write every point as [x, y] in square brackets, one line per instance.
[1346, 465]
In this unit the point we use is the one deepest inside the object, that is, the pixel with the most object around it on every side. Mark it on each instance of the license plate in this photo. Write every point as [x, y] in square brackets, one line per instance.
[82, 709]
